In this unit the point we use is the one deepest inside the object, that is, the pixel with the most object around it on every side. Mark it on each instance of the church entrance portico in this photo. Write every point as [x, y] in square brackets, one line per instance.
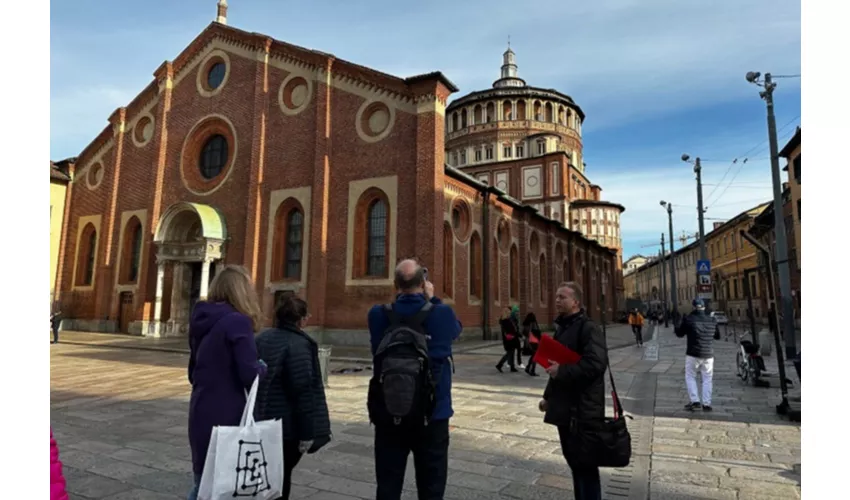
[189, 245]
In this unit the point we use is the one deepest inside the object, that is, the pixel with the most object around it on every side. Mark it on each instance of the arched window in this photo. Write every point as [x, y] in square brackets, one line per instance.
[463, 119]
[448, 260]
[86, 255]
[507, 110]
[476, 115]
[372, 235]
[491, 112]
[543, 286]
[520, 110]
[131, 250]
[566, 272]
[288, 242]
[514, 292]
[494, 270]
[475, 268]
[454, 121]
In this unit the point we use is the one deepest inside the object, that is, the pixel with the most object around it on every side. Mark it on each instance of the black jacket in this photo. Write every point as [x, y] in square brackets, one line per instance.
[701, 330]
[578, 391]
[509, 327]
[292, 389]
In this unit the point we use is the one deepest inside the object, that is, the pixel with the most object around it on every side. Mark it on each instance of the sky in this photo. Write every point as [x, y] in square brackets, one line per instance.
[655, 78]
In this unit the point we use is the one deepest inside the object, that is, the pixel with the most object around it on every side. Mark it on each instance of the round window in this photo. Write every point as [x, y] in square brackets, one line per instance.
[215, 75]
[213, 157]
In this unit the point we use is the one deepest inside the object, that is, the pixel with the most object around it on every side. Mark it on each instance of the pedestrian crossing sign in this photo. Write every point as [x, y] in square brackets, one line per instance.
[703, 267]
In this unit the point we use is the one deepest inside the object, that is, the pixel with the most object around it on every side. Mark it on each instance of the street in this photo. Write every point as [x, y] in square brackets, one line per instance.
[119, 417]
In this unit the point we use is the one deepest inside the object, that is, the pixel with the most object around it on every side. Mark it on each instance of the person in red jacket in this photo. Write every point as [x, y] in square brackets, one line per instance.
[57, 479]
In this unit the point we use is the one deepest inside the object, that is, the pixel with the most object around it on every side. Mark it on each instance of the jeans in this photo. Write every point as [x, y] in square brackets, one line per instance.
[587, 484]
[291, 457]
[638, 331]
[430, 447]
[509, 358]
[705, 366]
[55, 334]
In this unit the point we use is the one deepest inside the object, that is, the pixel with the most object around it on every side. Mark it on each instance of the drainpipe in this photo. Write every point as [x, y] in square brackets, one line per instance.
[485, 264]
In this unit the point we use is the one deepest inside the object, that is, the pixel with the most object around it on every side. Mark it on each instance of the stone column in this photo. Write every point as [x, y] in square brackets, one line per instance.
[157, 311]
[205, 279]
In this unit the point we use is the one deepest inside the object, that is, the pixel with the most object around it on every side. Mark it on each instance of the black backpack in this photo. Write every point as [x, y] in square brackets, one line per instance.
[402, 388]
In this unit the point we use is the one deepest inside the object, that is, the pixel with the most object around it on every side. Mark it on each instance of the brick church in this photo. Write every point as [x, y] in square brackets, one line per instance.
[318, 175]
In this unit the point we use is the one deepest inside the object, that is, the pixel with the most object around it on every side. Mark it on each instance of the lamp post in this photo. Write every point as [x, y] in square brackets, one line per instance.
[781, 250]
[703, 254]
[673, 296]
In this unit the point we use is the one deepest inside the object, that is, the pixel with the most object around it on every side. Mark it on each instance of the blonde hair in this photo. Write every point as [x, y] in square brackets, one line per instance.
[233, 285]
[506, 313]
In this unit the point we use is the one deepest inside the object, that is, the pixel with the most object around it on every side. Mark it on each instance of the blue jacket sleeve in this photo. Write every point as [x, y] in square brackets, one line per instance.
[458, 327]
[240, 334]
[377, 321]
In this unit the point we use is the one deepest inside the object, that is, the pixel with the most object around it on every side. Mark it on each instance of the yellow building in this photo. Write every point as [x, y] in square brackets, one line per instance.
[791, 152]
[59, 178]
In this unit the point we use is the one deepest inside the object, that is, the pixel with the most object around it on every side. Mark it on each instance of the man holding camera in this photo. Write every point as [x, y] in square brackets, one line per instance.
[410, 393]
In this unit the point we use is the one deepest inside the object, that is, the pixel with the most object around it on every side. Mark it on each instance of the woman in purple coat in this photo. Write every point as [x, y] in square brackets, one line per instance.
[223, 359]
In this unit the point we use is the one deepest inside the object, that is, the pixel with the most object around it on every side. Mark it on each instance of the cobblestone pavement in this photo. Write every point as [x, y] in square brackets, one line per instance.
[119, 416]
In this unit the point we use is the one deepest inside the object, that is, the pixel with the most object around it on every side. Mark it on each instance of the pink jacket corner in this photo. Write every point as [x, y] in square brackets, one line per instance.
[57, 479]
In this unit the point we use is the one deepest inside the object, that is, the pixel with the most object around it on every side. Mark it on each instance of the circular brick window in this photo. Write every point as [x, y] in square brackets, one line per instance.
[294, 94]
[143, 131]
[213, 73]
[94, 176]
[208, 156]
[374, 121]
[461, 219]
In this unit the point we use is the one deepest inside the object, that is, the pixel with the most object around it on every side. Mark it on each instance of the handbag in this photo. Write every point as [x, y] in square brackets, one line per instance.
[600, 443]
[244, 461]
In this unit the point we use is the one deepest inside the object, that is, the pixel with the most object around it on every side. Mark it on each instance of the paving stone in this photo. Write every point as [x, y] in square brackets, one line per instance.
[95, 486]
[140, 494]
[476, 481]
[515, 475]
[164, 482]
[561, 482]
[679, 451]
[327, 495]
[534, 492]
[121, 470]
[687, 443]
[712, 481]
[345, 486]
[659, 490]
[750, 486]
[739, 455]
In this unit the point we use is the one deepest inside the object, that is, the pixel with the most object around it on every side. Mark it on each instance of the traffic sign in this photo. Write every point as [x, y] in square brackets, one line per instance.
[705, 280]
[703, 267]
[704, 288]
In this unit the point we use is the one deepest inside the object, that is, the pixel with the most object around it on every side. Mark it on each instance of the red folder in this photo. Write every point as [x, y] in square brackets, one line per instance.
[551, 350]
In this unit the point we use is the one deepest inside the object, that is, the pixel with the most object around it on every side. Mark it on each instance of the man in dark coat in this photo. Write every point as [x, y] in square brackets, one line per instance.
[701, 330]
[576, 393]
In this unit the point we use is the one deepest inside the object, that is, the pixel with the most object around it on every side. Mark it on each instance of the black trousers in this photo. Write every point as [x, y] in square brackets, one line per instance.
[587, 484]
[531, 368]
[55, 329]
[509, 358]
[430, 447]
[291, 457]
[638, 330]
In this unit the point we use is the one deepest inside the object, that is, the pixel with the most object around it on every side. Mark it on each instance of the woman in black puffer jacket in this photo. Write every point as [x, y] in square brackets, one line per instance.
[292, 389]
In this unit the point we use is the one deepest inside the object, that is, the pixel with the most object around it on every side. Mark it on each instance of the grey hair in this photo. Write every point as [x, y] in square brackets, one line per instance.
[575, 288]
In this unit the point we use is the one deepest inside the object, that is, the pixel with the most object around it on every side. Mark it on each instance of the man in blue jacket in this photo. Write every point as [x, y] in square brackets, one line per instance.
[428, 442]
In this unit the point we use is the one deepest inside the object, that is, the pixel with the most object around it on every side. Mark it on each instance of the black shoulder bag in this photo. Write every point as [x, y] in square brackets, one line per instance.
[601, 443]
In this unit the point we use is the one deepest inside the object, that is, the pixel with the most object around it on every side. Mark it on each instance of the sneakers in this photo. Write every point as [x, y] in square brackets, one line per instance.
[520, 365]
[693, 406]
[707, 408]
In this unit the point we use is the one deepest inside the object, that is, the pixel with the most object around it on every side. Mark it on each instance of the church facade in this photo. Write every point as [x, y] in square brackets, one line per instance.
[314, 173]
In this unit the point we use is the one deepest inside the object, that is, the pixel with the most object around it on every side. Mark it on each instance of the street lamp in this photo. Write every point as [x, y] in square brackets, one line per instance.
[703, 254]
[781, 251]
[673, 288]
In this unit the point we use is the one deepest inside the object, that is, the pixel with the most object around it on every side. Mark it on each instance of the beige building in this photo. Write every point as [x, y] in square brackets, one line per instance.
[59, 178]
[630, 288]
[791, 153]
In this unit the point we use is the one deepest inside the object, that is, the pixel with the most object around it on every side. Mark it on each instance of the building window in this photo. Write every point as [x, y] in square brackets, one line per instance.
[213, 156]
[288, 243]
[520, 150]
[463, 157]
[477, 155]
[514, 292]
[543, 273]
[86, 256]
[797, 168]
[448, 260]
[541, 147]
[377, 231]
[132, 251]
[475, 269]
[506, 152]
[488, 152]
[454, 158]
[215, 75]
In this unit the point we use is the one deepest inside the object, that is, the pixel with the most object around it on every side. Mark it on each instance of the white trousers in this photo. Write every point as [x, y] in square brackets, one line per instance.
[705, 366]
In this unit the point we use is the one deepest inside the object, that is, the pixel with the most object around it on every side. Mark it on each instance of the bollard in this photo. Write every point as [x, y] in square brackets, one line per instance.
[324, 363]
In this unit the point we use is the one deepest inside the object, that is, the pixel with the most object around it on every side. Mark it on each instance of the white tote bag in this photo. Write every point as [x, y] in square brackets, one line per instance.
[244, 461]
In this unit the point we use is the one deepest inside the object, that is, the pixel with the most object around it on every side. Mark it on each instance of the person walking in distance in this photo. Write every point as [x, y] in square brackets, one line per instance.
[515, 319]
[510, 339]
[533, 333]
[701, 331]
[409, 400]
[223, 360]
[55, 322]
[576, 393]
[636, 320]
[292, 390]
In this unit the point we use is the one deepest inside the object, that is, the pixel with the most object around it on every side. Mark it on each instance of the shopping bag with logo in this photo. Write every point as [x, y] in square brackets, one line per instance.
[244, 461]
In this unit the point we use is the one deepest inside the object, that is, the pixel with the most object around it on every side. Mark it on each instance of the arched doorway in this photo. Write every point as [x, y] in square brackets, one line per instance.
[189, 240]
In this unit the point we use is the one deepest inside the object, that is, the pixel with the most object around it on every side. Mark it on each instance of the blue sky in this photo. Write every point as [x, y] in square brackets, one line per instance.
[656, 78]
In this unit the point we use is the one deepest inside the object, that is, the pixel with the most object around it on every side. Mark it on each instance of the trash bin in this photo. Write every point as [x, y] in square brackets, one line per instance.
[766, 342]
[324, 363]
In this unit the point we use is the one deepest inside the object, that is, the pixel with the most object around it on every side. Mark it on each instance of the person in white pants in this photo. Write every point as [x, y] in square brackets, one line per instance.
[701, 331]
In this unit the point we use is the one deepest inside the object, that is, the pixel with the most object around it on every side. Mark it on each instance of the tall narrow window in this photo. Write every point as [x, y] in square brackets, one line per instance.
[377, 234]
[543, 285]
[448, 260]
[86, 254]
[294, 243]
[475, 268]
[131, 251]
[92, 245]
[136, 253]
